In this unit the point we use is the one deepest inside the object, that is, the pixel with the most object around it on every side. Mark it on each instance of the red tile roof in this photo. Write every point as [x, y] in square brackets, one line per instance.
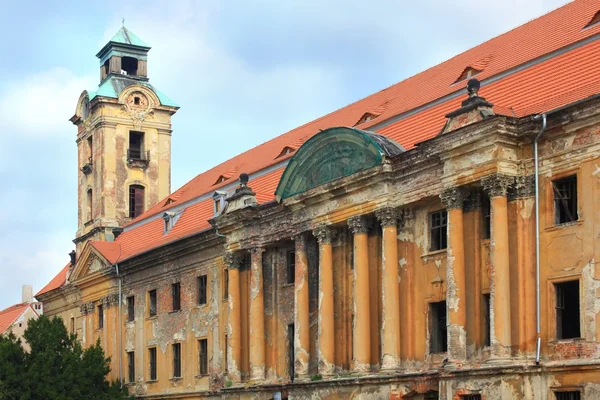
[56, 282]
[542, 65]
[9, 315]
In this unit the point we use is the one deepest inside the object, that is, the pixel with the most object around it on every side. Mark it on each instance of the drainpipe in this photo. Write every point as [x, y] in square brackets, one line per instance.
[120, 329]
[537, 237]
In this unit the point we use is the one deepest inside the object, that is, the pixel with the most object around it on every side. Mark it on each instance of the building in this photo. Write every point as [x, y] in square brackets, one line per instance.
[15, 319]
[391, 249]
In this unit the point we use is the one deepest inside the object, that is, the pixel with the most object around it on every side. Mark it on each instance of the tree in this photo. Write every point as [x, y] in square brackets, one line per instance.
[56, 367]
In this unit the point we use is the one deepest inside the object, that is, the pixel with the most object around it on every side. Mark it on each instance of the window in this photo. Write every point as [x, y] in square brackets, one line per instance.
[467, 73]
[291, 352]
[203, 356]
[130, 308]
[73, 325]
[291, 266]
[202, 289]
[571, 395]
[431, 395]
[225, 284]
[486, 215]
[136, 145]
[226, 353]
[136, 200]
[89, 205]
[100, 316]
[152, 354]
[437, 230]
[129, 66]
[130, 366]
[438, 335]
[567, 310]
[152, 301]
[177, 360]
[565, 200]
[90, 145]
[470, 397]
[486, 320]
[175, 295]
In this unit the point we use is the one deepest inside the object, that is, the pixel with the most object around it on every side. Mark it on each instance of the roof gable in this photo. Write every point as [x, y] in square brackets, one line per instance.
[11, 314]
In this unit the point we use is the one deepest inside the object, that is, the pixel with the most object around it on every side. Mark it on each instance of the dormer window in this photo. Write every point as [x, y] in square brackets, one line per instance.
[170, 219]
[595, 19]
[468, 73]
[219, 201]
[286, 150]
[366, 117]
[221, 179]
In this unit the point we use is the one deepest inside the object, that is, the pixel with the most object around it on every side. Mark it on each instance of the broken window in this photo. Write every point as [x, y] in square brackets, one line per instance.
[136, 200]
[130, 309]
[486, 320]
[152, 354]
[486, 216]
[567, 310]
[177, 360]
[90, 198]
[202, 284]
[565, 200]
[129, 66]
[438, 222]
[570, 395]
[225, 284]
[438, 334]
[100, 316]
[131, 366]
[176, 296]
[152, 301]
[203, 356]
[291, 351]
[136, 146]
[291, 266]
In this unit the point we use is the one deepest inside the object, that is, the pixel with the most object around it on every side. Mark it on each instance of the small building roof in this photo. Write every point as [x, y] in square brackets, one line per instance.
[9, 315]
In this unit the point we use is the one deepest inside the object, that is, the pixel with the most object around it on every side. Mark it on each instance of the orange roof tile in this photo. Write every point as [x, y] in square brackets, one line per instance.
[56, 282]
[9, 315]
[110, 250]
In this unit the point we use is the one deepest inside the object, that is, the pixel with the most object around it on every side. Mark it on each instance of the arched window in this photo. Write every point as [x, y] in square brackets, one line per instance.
[136, 200]
[89, 205]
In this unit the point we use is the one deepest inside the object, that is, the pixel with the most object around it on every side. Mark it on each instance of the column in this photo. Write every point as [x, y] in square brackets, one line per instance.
[234, 340]
[326, 335]
[301, 315]
[390, 330]
[257, 316]
[362, 312]
[456, 304]
[496, 186]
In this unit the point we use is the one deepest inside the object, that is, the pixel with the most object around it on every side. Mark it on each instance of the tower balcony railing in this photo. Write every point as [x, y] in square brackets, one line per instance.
[138, 158]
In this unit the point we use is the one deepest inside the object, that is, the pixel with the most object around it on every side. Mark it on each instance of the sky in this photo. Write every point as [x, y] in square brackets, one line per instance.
[242, 71]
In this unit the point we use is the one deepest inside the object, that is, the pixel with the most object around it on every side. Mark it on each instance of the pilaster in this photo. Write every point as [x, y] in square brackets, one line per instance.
[257, 317]
[234, 350]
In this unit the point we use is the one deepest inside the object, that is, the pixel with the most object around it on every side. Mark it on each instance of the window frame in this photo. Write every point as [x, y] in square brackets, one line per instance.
[558, 316]
[438, 327]
[137, 201]
[153, 358]
[202, 282]
[202, 357]
[152, 303]
[130, 367]
[487, 322]
[225, 283]
[100, 309]
[134, 152]
[176, 296]
[438, 234]
[176, 348]
[130, 308]
[567, 394]
[567, 204]
[290, 266]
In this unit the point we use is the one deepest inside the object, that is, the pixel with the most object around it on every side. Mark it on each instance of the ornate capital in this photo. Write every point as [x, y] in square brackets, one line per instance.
[323, 234]
[233, 260]
[87, 308]
[524, 186]
[453, 197]
[472, 202]
[497, 185]
[387, 216]
[358, 224]
[110, 301]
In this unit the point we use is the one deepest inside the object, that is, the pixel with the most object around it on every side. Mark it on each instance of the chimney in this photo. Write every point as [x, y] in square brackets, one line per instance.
[73, 259]
[27, 294]
[474, 109]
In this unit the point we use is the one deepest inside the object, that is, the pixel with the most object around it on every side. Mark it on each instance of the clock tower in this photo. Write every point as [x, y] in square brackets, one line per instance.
[123, 141]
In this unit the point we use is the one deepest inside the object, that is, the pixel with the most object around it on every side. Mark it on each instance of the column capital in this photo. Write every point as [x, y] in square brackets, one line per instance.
[453, 197]
[387, 216]
[472, 202]
[358, 224]
[323, 234]
[524, 186]
[233, 260]
[497, 185]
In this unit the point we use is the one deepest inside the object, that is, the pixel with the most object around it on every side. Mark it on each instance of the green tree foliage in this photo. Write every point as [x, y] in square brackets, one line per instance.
[56, 367]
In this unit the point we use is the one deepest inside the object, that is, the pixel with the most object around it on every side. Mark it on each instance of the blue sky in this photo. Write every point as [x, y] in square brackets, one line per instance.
[242, 71]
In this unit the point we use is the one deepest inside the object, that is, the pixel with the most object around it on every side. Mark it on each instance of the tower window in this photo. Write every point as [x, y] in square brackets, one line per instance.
[90, 143]
[438, 221]
[136, 145]
[438, 334]
[567, 310]
[565, 200]
[136, 200]
[136, 100]
[129, 66]
[291, 266]
[89, 205]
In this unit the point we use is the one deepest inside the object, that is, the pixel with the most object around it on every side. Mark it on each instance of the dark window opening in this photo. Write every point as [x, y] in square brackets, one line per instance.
[291, 266]
[152, 353]
[73, 325]
[565, 200]
[226, 353]
[431, 395]
[202, 283]
[486, 215]
[131, 366]
[152, 301]
[225, 284]
[438, 222]
[438, 334]
[203, 356]
[106, 67]
[136, 145]
[595, 19]
[177, 360]
[130, 309]
[470, 397]
[571, 395]
[90, 207]
[136, 100]
[136, 201]
[486, 320]
[567, 310]
[467, 73]
[176, 296]
[291, 352]
[90, 144]
[129, 66]
[100, 316]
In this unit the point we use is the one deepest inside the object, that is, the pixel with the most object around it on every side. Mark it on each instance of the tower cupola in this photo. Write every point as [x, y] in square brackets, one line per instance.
[124, 54]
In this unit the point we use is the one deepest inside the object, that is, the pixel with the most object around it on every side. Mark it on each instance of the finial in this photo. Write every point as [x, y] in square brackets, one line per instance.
[244, 179]
[123, 22]
[473, 87]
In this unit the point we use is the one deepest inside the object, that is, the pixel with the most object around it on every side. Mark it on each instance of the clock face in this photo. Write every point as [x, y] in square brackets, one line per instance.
[137, 100]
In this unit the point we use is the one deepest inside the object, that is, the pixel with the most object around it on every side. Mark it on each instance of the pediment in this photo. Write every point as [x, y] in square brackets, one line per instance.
[90, 262]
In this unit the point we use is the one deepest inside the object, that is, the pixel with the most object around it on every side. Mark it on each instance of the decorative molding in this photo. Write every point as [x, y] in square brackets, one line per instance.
[472, 202]
[112, 300]
[497, 185]
[524, 186]
[323, 234]
[387, 216]
[87, 308]
[407, 218]
[233, 260]
[358, 224]
[453, 197]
